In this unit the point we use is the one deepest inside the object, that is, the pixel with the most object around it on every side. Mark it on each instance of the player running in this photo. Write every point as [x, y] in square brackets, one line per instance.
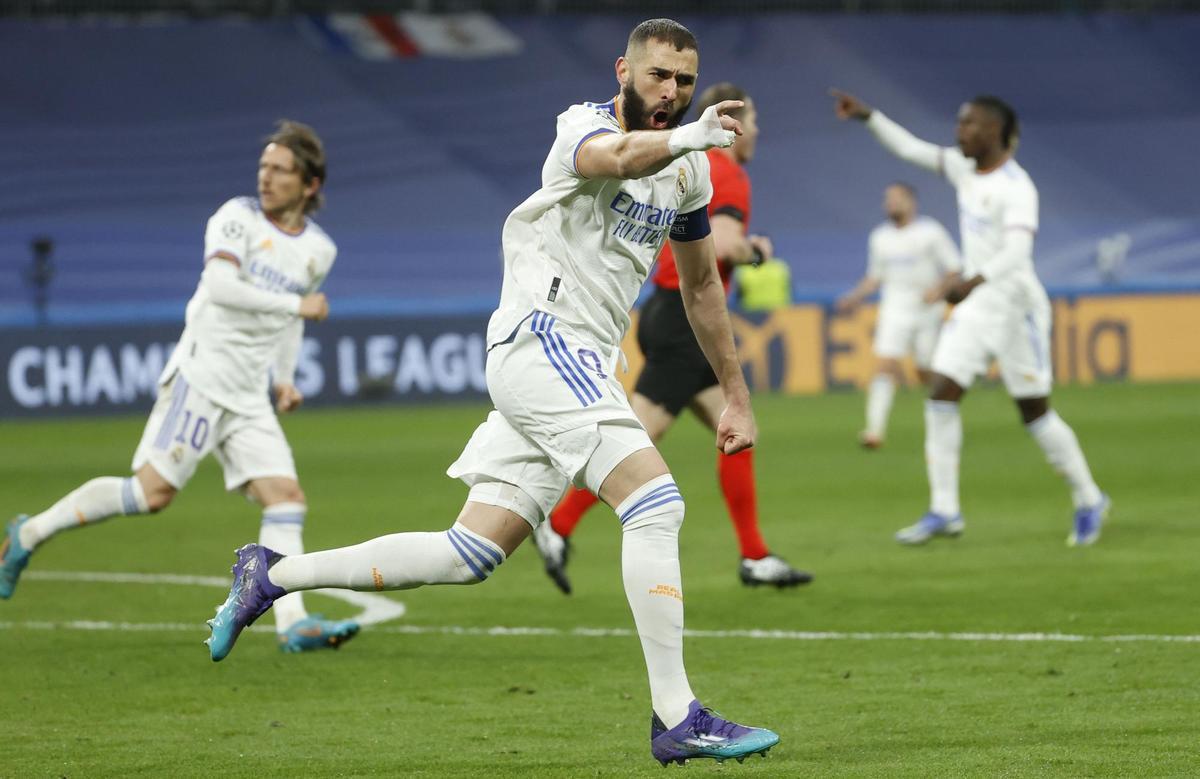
[1002, 310]
[264, 260]
[677, 375]
[914, 261]
[620, 178]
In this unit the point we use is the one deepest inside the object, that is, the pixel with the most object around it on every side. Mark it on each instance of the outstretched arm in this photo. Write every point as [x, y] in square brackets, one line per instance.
[890, 135]
[704, 301]
[851, 300]
[641, 153]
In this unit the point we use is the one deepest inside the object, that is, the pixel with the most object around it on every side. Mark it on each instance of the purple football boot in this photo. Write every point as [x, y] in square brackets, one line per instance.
[251, 595]
[704, 734]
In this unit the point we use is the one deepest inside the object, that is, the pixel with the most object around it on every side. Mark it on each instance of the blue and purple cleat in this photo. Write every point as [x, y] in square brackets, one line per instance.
[314, 632]
[928, 526]
[704, 734]
[1087, 522]
[13, 556]
[249, 598]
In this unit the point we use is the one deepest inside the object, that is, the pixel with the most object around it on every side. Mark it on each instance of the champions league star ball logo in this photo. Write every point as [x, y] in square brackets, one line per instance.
[681, 182]
[233, 230]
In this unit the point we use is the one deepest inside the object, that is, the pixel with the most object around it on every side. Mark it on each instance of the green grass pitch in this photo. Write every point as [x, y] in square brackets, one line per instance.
[137, 702]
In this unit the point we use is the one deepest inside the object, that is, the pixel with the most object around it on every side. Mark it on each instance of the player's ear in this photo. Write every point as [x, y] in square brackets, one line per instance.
[312, 188]
[622, 69]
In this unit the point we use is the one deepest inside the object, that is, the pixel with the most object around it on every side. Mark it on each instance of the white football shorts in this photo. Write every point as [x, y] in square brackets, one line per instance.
[1017, 338]
[561, 418]
[185, 426]
[900, 332]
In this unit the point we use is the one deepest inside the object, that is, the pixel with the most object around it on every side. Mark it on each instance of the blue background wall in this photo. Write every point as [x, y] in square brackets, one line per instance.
[119, 140]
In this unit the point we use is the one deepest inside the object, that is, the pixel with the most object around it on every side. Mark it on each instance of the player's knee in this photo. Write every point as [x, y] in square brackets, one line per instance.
[159, 497]
[475, 557]
[662, 512]
[944, 388]
[1033, 409]
[291, 493]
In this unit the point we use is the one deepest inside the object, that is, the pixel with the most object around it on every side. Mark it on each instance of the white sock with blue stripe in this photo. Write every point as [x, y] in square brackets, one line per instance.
[1062, 451]
[650, 521]
[93, 501]
[400, 561]
[283, 531]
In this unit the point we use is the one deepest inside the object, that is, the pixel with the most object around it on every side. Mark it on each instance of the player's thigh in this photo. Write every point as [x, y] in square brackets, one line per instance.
[1024, 358]
[509, 470]
[963, 350]
[924, 342]
[634, 470]
[893, 335]
[179, 433]
[254, 448]
[708, 405]
[655, 417]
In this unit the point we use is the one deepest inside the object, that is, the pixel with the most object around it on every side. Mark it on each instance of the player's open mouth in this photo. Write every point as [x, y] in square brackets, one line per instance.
[659, 119]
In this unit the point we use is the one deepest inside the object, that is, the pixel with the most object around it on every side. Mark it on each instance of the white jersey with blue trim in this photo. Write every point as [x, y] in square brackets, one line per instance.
[580, 248]
[227, 353]
[908, 260]
[989, 204]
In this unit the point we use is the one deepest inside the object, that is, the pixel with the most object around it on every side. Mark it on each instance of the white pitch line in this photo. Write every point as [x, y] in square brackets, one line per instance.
[375, 608]
[507, 631]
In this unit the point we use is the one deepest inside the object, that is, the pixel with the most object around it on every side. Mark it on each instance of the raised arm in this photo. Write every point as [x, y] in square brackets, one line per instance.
[642, 153]
[704, 301]
[890, 135]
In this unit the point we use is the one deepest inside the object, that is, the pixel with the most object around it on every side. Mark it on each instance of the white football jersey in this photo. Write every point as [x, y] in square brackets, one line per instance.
[908, 260]
[988, 204]
[227, 353]
[580, 248]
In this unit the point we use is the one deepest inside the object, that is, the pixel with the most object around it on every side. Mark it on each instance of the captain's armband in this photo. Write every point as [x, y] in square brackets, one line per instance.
[691, 226]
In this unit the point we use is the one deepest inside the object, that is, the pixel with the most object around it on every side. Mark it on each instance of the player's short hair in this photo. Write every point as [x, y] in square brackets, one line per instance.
[309, 152]
[665, 30]
[1010, 128]
[718, 93]
[909, 188]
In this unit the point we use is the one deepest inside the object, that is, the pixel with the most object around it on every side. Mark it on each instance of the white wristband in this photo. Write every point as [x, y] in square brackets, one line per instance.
[704, 133]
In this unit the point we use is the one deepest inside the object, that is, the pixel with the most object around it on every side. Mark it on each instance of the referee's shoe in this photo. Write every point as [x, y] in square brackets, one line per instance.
[554, 550]
[772, 570]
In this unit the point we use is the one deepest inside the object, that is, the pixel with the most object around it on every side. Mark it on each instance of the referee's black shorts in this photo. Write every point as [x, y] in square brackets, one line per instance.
[676, 369]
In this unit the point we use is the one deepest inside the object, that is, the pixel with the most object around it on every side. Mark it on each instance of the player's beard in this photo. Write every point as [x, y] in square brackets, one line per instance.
[635, 112]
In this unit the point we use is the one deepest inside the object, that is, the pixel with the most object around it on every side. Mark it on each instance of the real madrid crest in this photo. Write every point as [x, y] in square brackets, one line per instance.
[681, 182]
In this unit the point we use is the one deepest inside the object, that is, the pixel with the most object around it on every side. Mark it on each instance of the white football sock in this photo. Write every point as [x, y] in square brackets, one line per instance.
[943, 447]
[1061, 447]
[400, 561]
[650, 519]
[282, 530]
[93, 501]
[879, 404]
